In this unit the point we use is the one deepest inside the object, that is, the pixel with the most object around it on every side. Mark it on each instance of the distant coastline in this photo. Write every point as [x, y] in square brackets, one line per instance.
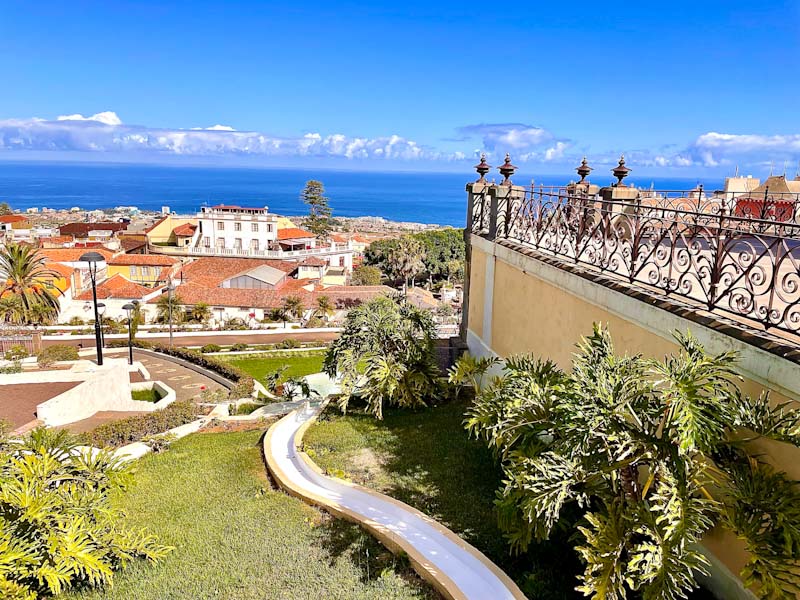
[401, 197]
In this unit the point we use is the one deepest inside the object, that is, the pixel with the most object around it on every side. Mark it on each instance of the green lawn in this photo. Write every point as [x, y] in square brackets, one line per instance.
[150, 395]
[237, 538]
[260, 365]
[427, 460]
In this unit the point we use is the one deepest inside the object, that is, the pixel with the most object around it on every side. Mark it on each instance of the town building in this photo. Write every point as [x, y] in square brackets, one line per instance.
[145, 269]
[228, 227]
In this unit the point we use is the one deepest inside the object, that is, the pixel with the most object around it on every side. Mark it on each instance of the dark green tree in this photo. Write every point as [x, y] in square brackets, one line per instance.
[319, 220]
[366, 275]
[5, 209]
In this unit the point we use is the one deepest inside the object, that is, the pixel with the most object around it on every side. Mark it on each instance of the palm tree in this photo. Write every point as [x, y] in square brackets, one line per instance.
[25, 275]
[10, 310]
[324, 307]
[163, 308]
[201, 312]
[406, 259]
[294, 307]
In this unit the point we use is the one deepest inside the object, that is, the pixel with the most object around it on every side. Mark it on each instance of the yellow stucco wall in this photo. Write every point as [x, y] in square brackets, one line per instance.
[162, 233]
[148, 277]
[530, 315]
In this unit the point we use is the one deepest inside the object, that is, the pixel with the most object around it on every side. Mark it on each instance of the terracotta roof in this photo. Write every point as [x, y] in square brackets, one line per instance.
[211, 271]
[342, 296]
[313, 261]
[118, 287]
[336, 237]
[185, 230]
[70, 254]
[83, 229]
[131, 244]
[12, 218]
[291, 233]
[150, 260]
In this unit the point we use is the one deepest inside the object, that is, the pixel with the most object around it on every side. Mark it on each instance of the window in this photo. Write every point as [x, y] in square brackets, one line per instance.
[341, 261]
[237, 226]
[134, 271]
[207, 242]
[269, 228]
[253, 226]
[220, 225]
[237, 243]
[253, 244]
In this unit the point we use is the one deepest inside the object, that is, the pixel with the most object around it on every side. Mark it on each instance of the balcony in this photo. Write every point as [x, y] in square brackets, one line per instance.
[333, 248]
[714, 253]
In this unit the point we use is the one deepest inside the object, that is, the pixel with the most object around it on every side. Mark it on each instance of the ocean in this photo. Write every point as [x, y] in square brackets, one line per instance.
[398, 196]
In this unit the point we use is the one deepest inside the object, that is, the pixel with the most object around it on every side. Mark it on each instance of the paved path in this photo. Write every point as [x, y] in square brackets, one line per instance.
[18, 402]
[186, 383]
[457, 569]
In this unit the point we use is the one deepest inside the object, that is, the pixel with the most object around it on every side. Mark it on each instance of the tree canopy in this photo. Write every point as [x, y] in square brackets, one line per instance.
[26, 290]
[443, 253]
[653, 453]
[366, 275]
[319, 220]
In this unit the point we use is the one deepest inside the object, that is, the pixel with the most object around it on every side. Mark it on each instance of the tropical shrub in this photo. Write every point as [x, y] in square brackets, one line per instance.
[52, 354]
[76, 321]
[58, 526]
[211, 348]
[14, 367]
[240, 347]
[135, 428]
[245, 408]
[654, 454]
[16, 352]
[395, 341]
[366, 275]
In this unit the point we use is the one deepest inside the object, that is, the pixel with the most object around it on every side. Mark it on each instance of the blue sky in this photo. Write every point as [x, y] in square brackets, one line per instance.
[683, 88]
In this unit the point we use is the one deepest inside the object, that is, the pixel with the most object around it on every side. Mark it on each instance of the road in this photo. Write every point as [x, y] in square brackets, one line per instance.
[221, 339]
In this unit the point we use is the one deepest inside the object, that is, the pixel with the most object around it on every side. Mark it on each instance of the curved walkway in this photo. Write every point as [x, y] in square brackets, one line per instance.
[454, 567]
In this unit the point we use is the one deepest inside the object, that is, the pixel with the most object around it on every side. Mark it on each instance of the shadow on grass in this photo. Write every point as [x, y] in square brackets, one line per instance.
[427, 460]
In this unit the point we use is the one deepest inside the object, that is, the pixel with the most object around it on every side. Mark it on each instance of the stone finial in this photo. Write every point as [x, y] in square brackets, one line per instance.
[620, 172]
[583, 170]
[507, 170]
[482, 167]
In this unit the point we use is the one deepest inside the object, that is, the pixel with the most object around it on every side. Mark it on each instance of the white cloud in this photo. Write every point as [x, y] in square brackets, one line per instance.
[107, 118]
[556, 151]
[105, 132]
[507, 136]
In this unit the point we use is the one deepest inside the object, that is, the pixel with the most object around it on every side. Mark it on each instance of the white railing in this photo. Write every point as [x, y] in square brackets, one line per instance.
[334, 248]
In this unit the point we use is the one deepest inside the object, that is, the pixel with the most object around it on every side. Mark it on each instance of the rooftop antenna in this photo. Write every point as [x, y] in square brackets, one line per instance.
[797, 171]
[784, 168]
[736, 174]
[771, 165]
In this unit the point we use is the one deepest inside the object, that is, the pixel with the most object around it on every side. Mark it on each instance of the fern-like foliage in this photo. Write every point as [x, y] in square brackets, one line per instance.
[58, 528]
[654, 452]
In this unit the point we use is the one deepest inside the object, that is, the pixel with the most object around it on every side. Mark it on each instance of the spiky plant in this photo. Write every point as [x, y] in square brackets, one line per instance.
[385, 354]
[26, 297]
[58, 527]
[655, 453]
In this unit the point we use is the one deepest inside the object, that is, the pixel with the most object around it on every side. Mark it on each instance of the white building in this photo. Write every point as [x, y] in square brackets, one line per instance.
[237, 228]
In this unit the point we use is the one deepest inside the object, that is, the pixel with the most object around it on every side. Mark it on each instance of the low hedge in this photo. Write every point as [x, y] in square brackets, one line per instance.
[244, 384]
[133, 429]
[58, 352]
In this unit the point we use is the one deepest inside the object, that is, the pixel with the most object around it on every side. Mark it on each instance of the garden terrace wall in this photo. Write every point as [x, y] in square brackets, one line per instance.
[522, 301]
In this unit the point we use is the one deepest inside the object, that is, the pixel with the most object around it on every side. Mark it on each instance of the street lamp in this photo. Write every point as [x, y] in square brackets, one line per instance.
[93, 258]
[130, 306]
[170, 289]
[101, 310]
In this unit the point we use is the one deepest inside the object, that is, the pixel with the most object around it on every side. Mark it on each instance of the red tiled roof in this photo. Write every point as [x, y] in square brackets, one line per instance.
[12, 218]
[185, 230]
[149, 260]
[291, 233]
[211, 271]
[131, 244]
[83, 229]
[118, 287]
[313, 261]
[344, 296]
[70, 254]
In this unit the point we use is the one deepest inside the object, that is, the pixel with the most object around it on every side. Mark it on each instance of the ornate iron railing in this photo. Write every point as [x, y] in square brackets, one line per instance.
[724, 252]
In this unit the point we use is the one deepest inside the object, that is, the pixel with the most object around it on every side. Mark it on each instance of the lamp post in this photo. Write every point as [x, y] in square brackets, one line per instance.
[128, 308]
[93, 258]
[170, 289]
[101, 310]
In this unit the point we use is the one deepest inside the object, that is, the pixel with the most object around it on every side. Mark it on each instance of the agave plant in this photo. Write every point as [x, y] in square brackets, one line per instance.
[58, 527]
[655, 454]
